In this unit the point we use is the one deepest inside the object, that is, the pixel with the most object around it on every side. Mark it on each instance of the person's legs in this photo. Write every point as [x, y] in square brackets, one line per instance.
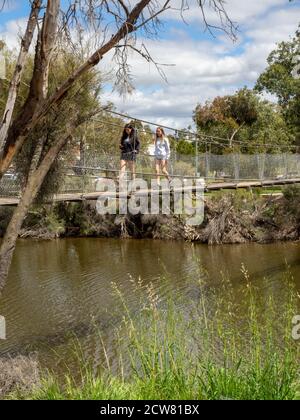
[164, 168]
[132, 168]
[158, 169]
[123, 165]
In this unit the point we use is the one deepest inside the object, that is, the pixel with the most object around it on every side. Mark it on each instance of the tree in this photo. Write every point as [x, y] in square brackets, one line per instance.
[279, 80]
[128, 24]
[243, 122]
[119, 25]
[50, 147]
[19, 67]
[269, 133]
[100, 137]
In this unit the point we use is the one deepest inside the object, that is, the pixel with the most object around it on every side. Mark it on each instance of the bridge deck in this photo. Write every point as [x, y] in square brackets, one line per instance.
[78, 197]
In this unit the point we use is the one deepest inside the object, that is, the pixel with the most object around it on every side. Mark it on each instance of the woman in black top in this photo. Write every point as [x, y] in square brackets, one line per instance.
[130, 148]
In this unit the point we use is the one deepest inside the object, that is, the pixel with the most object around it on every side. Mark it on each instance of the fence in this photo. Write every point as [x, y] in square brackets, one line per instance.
[209, 166]
[212, 167]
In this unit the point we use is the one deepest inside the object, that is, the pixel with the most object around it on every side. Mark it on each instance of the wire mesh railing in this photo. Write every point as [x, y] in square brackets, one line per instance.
[237, 167]
[209, 166]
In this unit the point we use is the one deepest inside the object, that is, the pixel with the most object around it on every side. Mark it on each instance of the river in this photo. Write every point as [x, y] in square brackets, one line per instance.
[57, 290]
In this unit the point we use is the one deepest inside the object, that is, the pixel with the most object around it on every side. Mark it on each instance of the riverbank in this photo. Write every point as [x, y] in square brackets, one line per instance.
[238, 352]
[230, 218]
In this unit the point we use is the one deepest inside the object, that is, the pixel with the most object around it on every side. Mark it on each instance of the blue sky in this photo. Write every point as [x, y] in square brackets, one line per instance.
[202, 66]
[15, 9]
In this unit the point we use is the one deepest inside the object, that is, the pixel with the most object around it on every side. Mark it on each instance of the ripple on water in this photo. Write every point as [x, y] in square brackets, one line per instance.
[56, 288]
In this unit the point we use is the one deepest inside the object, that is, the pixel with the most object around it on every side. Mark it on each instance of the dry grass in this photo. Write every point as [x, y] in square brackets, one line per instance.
[19, 374]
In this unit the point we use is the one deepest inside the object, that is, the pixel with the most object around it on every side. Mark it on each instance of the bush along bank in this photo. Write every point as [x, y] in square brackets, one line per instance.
[230, 218]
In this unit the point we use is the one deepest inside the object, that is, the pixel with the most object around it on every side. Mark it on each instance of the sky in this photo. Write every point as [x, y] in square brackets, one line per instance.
[199, 66]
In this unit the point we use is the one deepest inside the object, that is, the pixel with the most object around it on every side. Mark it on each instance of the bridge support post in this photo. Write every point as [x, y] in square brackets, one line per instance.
[207, 164]
[286, 166]
[236, 165]
[261, 163]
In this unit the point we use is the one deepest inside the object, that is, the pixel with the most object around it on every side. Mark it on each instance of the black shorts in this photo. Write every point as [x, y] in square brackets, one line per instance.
[129, 157]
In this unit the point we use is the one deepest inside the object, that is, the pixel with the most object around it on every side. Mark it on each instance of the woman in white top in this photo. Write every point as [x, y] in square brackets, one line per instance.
[162, 154]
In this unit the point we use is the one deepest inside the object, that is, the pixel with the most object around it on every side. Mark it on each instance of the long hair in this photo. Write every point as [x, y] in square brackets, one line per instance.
[162, 132]
[132, 134]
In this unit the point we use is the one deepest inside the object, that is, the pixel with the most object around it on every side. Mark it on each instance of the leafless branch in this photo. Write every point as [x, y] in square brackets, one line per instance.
[2, 5]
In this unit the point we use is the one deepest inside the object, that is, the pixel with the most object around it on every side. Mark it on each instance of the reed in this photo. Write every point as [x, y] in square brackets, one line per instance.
[236, 349]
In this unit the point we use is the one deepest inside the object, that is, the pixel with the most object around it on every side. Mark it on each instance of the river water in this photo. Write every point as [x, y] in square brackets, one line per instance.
[57, 290]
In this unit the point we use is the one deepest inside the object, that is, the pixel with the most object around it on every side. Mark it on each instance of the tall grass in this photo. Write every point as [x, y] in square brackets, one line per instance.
[214, 347]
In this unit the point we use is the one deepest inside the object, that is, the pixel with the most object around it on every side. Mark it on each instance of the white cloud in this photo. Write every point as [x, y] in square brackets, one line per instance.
[203, 69]
[11, 32]
[206, 69]
[239, 11]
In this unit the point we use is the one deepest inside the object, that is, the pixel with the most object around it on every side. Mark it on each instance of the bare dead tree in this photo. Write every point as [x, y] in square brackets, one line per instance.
[19, 67]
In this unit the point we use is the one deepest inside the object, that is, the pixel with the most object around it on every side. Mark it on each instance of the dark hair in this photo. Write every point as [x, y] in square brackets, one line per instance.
[134, 143]
[132, 134]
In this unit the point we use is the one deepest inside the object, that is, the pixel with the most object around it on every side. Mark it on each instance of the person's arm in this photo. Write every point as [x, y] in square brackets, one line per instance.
[137, 143]
[168, 148]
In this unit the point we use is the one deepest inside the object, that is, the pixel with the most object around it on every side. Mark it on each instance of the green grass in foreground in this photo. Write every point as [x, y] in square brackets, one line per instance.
[224, 350]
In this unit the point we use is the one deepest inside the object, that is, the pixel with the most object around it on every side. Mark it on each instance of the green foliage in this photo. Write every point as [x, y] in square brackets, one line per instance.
[292, 196]
[10, 58]
[44, 222]
[243, 119]
[185, 148]
[269, 128]
[279, 79]
[292, 193]
[84, 96]
[101, 137]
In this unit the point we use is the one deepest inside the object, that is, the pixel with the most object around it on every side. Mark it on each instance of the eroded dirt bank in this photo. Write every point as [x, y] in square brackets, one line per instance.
[230, 218]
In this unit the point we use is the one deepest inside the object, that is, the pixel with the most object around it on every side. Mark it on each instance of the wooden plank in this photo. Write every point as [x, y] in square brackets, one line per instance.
[9, 201]
[79, 197]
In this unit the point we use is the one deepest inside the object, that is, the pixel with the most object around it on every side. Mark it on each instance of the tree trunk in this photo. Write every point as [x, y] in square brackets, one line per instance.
[28, 117]
[13, 229]
[15, 82]
[35, 180]
[234, 134]
[34, 183]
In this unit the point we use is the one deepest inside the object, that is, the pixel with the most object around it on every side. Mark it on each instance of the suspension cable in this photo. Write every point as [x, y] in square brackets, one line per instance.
[202, 138]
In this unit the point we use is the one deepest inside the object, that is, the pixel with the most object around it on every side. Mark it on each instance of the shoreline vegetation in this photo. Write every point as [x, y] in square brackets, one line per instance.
[221, 349]
[230, 218]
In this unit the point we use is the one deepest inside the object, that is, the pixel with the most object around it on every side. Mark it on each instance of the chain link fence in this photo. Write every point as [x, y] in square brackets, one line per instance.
[82, 177]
